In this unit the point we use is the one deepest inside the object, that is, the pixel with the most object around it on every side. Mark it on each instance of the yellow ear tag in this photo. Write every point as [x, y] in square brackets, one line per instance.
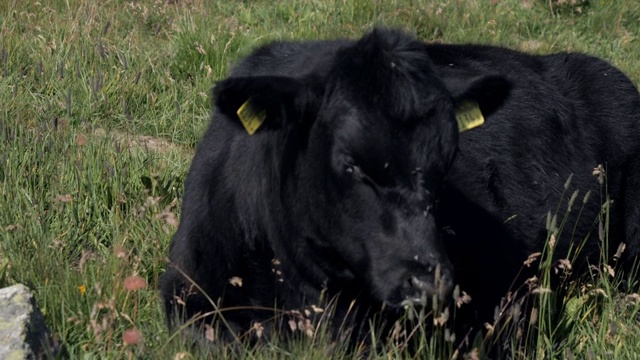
[249, 118]
[469, 115]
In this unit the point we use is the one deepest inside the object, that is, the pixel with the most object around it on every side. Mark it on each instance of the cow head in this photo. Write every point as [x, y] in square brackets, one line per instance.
[366, 144]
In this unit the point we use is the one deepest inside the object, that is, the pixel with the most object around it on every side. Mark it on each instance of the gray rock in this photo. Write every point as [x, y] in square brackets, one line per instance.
[23, 334]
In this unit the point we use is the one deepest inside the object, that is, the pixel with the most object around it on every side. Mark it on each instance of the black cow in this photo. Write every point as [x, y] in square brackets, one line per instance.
[357, 181]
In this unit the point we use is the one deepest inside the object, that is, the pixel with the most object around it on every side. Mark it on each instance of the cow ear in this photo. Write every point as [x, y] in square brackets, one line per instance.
[489, 91]
[273, 100]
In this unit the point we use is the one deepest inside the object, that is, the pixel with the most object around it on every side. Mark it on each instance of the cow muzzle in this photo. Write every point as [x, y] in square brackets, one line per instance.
[421, 288]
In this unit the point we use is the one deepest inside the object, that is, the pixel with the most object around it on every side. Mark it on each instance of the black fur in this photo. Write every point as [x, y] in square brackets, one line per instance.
[360, 140]
[566, 113]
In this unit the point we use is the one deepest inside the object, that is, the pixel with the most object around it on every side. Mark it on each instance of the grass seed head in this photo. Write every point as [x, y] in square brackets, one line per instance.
[132, 337]
[134, 283]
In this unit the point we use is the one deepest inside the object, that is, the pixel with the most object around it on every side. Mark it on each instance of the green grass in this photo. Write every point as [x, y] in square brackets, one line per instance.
[103, 102]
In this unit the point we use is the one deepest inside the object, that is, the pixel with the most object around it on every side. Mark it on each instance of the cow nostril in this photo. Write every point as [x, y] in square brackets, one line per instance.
[418, 284]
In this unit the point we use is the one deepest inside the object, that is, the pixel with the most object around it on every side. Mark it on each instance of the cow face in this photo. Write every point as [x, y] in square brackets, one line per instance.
[367, 143]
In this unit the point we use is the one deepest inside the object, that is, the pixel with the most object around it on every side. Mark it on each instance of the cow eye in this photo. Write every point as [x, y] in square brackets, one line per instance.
[356, 173]
[352, 169]
[350, 165]
[365, 175]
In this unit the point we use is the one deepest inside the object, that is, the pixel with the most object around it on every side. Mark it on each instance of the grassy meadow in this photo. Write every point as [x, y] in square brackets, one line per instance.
[102, 103]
